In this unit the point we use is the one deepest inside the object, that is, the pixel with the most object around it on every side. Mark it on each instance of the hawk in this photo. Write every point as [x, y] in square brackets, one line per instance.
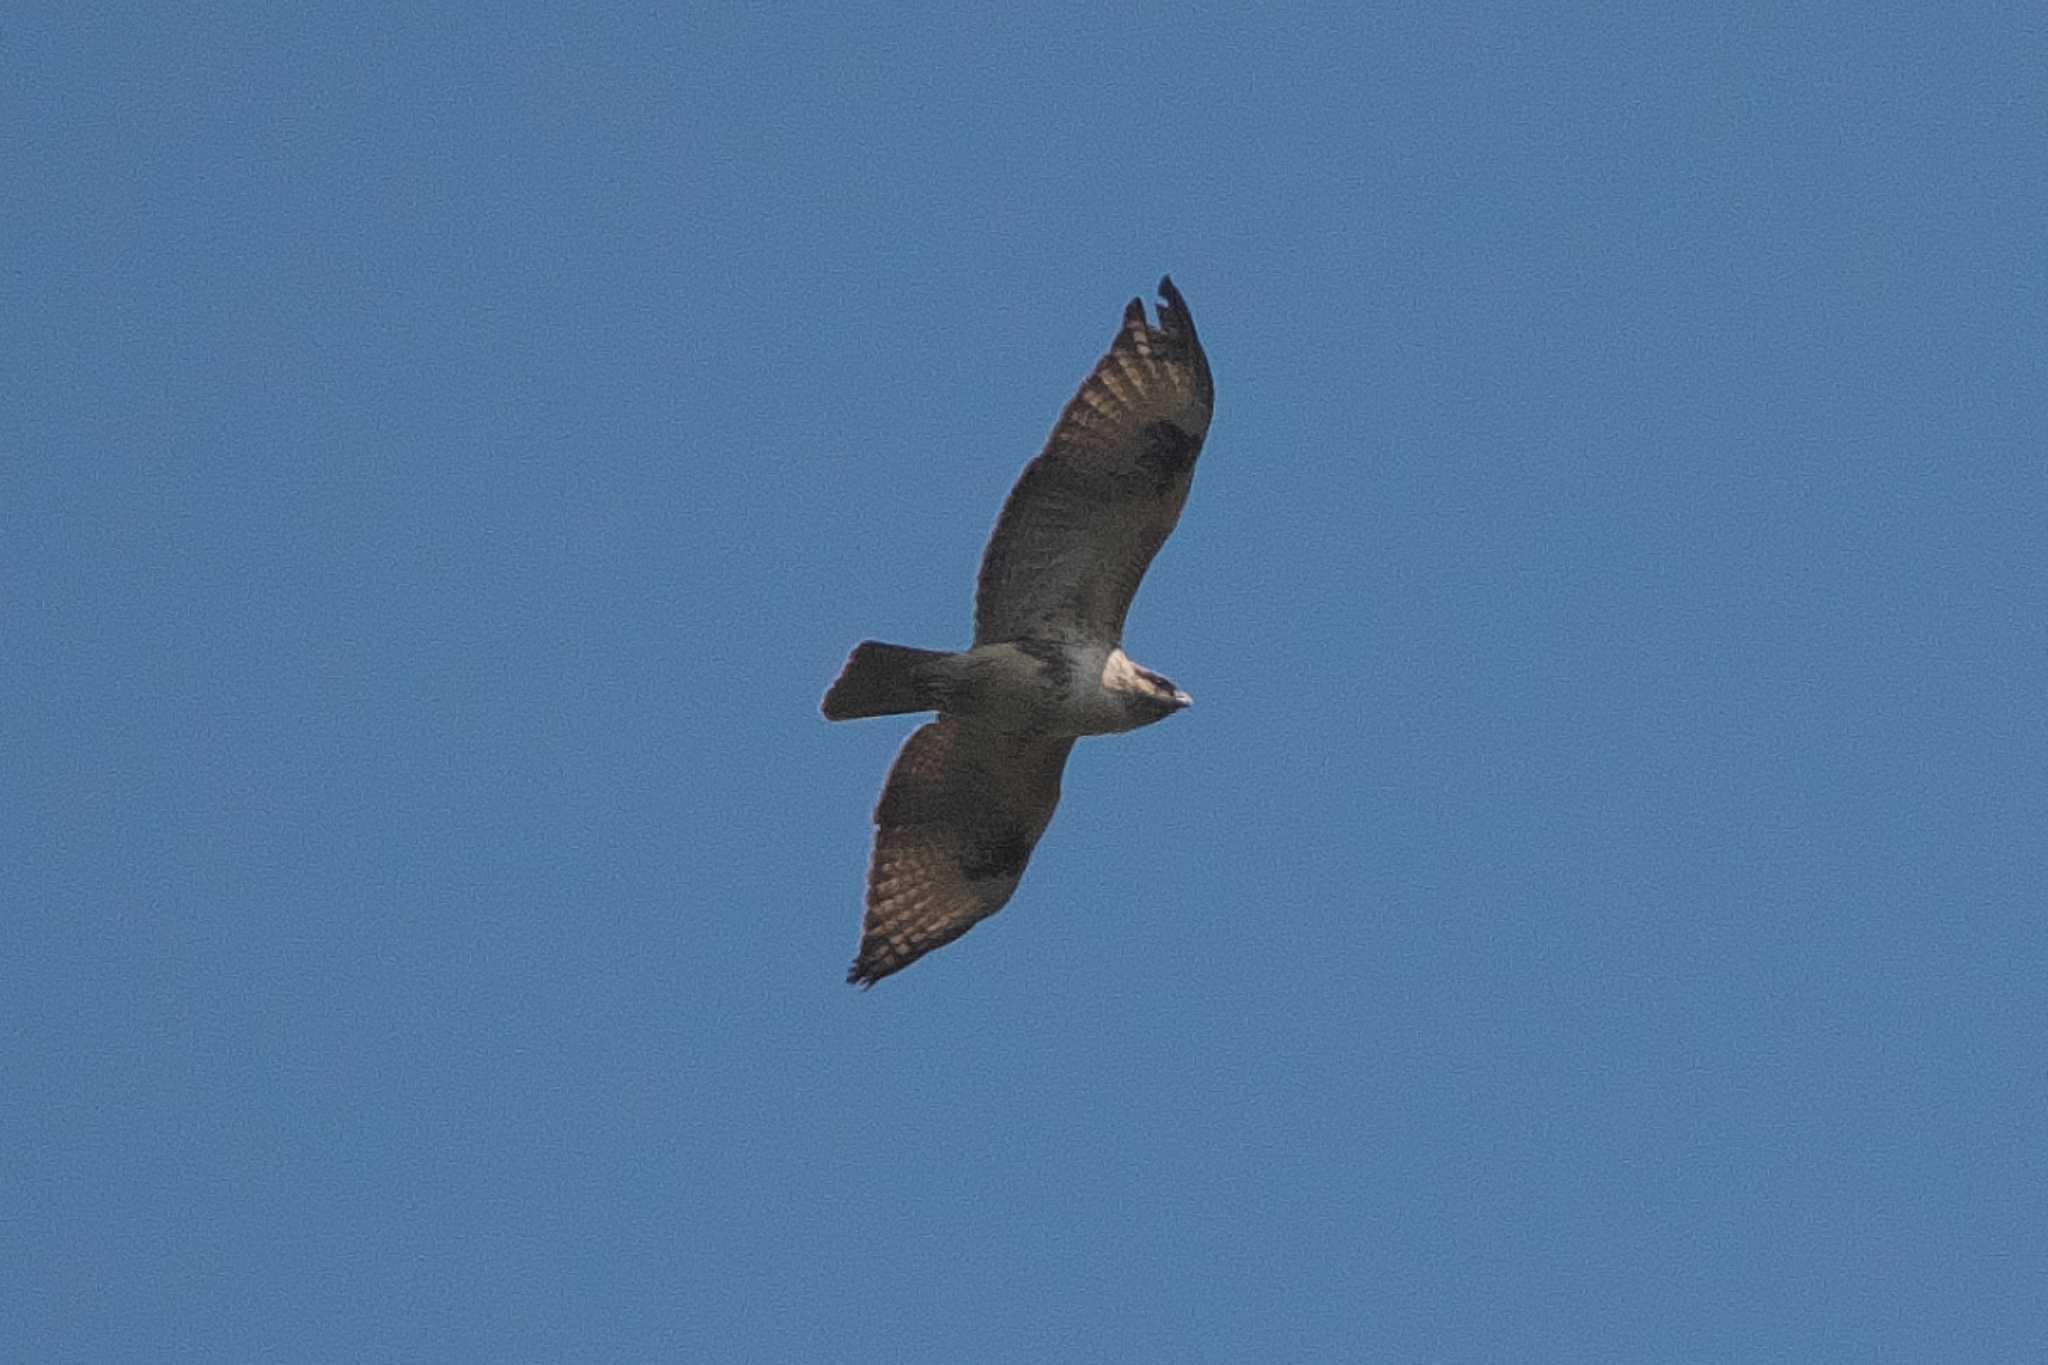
[971, 791]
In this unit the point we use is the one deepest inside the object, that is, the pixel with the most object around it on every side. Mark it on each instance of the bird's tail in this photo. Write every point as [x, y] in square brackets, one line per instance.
[886, 680]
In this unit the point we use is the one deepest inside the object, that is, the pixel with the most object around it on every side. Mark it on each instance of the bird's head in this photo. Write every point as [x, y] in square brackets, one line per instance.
[1149, 696]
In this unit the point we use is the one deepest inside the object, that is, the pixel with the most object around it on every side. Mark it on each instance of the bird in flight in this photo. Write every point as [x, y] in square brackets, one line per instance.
[971, 791]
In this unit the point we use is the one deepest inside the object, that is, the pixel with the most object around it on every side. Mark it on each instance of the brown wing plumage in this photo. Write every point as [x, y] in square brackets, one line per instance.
[959, 816]
[1082, 524]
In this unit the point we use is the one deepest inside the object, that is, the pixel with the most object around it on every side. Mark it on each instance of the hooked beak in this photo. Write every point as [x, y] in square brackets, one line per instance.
[1181, 698]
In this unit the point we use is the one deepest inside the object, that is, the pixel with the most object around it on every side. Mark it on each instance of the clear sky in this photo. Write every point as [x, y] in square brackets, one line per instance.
[1593, 911]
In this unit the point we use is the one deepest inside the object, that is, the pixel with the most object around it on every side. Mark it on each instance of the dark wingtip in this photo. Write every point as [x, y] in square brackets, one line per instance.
[864, 973]
[1134, 311]
[1173, 309]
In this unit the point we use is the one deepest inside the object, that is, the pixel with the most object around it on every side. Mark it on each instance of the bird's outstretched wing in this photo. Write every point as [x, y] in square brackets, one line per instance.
[1082, 524]
[962, 810]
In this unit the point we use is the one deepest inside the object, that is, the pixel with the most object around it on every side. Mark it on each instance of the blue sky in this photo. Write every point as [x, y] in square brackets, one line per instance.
[1594, 910]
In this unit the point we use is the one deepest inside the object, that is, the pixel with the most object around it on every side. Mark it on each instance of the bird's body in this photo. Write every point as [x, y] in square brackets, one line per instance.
[971, 792]
[1019, 687]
